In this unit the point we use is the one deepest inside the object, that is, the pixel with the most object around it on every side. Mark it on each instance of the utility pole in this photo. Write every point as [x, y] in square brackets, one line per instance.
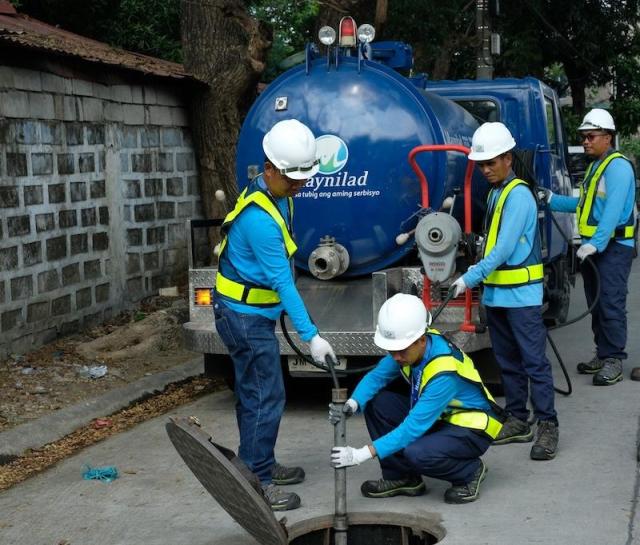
[484, 66]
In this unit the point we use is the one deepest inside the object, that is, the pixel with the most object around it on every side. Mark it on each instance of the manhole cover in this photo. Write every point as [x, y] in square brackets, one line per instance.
[225, 482]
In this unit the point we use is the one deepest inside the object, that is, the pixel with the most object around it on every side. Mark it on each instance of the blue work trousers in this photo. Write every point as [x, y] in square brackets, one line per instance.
[609, 316]
[519, 339]
[260, 396]
[447, 452]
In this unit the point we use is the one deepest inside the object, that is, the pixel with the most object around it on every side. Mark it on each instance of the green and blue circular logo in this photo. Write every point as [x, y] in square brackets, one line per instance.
[332, 152]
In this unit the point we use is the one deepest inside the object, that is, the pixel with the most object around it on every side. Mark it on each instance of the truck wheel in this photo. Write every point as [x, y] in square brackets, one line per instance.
[220, 366]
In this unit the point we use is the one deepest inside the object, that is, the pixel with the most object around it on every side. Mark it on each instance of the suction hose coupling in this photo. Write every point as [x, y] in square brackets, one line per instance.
[329, 259]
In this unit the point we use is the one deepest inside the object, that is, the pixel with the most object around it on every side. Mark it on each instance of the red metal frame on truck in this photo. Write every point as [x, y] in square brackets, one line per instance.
[424, 190]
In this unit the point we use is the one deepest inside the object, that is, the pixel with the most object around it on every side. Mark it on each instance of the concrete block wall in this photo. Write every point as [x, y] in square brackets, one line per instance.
[96, 184]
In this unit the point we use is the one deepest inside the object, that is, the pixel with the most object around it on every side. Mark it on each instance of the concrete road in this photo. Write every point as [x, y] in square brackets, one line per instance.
[586, 496]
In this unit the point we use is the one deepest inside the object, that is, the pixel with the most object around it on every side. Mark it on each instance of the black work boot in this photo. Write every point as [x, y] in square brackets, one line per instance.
[590, 367]
[282, 475]
[610, 373]
[546, 443]
[279, 500]
[469, 492]
[385, 488]
[514, 430]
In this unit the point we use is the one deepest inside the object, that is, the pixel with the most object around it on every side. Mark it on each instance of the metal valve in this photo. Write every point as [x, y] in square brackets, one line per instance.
[329, 259]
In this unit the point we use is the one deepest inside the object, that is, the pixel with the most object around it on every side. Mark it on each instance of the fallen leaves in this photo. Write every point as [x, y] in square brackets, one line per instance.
[35, 461]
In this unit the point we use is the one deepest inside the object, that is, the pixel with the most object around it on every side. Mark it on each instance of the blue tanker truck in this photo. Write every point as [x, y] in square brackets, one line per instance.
[396, 205]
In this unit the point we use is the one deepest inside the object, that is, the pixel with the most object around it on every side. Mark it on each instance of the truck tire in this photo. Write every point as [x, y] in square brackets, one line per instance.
[220, 366]
[558, 293]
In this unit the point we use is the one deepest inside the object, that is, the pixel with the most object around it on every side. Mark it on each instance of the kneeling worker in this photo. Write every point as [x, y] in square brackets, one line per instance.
[439, 429]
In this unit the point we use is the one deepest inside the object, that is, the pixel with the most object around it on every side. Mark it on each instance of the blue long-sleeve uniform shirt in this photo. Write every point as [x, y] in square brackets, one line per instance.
[430, 405]
[614, 202]
[255, 248]
[514, 243]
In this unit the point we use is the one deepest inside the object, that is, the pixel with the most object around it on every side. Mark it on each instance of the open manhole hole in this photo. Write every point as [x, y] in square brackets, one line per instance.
[233, 487]
[375, 528]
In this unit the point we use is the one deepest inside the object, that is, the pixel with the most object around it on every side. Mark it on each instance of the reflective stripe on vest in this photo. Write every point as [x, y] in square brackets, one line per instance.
[462, 365]
[249, 293]
[586, 225]
[509, 275]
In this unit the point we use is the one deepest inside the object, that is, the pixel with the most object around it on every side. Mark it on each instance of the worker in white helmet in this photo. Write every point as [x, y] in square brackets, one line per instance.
[512, 273]
[254, 284]
[439, 428]
[606, 217]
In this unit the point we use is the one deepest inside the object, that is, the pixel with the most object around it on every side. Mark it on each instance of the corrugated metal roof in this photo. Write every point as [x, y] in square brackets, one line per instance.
[23, 31]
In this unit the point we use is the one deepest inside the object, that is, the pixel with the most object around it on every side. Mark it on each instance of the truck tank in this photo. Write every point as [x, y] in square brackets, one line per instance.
[366, 118]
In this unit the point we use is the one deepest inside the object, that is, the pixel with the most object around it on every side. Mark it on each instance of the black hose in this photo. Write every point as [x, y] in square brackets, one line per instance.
[444, 303]
[327, 368]
[330, 364]
[596, 274]
[569, 389]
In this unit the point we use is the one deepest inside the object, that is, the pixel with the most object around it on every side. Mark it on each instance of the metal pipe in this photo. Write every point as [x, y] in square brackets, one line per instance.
[340, 521]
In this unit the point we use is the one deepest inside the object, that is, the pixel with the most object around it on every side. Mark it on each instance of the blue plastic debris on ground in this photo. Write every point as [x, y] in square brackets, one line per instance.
[105, 474]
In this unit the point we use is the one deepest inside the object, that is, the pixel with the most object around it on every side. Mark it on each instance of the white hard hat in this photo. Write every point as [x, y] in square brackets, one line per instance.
[489, 141]
[291, 147]
[402, 320]
[597, 119]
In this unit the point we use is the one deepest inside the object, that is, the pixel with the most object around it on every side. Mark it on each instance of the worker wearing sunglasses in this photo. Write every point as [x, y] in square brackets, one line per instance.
[606, 213]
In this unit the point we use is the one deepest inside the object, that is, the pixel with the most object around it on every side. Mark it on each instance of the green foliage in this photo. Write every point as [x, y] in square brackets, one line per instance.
[594, 43]
[292, 22]
[571, 121]
[151, 27]
[148, 26]
[630, 146]
[441, 34]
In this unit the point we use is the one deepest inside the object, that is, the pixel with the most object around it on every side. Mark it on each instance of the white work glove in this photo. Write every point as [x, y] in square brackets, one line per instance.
[348, 409]
[349, 456]
[459, 286]
[320, 349]
[586, 250]
[544, 195]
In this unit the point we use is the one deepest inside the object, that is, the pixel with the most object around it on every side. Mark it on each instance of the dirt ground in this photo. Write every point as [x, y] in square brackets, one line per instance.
[134, 344]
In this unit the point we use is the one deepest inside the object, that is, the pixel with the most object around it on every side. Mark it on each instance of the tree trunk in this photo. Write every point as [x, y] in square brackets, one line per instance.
[576, 79]
[382, 8]
[226, 49]
[331, 11]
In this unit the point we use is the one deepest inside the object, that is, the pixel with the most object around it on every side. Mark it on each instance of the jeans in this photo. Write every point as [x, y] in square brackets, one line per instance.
[519, 340]
[447, 452]
[260, 396]
[609, 316]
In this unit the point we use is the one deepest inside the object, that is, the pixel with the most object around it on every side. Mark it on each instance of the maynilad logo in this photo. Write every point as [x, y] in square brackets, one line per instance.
[332, 152]
[333, 155]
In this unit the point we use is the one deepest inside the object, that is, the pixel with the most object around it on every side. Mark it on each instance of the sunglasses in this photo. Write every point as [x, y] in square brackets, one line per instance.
[591, 136]
[293, 181]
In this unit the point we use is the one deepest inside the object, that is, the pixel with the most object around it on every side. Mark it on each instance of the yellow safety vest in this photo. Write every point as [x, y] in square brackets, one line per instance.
[530, 270]
[252, 294]
[586, 225]
[458, 362]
